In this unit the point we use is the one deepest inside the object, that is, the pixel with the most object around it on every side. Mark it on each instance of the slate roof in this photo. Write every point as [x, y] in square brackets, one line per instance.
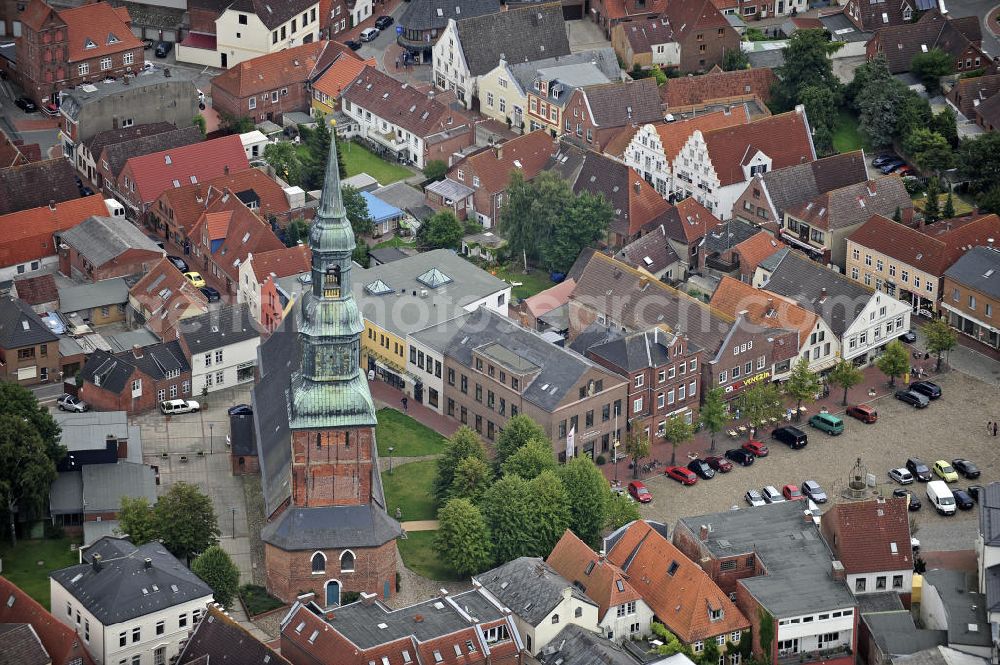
[101, 240]
[623, 103]
[387, 254]
[296, 65]
[785, 138]
[20, 326]
[969, 94]
[229, 324]
[529, 587]
[793, 185]
[728, 235]
[117, 154]
[964, 607]
[434, 14]
[112, 371]
[978, 269]
[124, 588]
[218, 638]
[96, 143]
[865, 533]
[599, 578]
[574, 645]
[694, 91]
[62, 645]
[519, 35]
[272, 14]
[896, 634]
[900, 43]
[524, 74]
[939, 655]
[989, 515]
[97, 294]
[650, 252]
[35, 184]
[37, 290]
[637, 351]
[634, 202]
[278, 357]
[733, 296]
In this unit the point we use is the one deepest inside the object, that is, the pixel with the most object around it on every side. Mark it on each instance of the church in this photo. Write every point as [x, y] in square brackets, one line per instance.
[327, 530]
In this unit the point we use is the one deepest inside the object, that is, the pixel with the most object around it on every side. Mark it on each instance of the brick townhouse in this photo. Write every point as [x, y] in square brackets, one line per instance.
[137, 380]
[29, 352]
[106, 247]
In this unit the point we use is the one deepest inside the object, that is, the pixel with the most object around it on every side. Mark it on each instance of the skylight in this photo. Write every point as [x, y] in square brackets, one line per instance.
[378, 288]
[434, 278]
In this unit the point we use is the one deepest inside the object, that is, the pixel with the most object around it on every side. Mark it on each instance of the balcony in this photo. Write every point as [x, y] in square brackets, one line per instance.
[819, 655]
[716, 262]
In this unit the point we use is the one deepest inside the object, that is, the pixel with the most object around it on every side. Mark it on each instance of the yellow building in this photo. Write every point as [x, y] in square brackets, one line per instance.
[384, 353]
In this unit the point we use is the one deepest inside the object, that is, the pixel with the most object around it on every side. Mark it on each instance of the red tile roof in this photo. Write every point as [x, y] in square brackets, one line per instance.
[282, 68]
[784, 138]
[281, 262]
[528, 154]
[27, 235]
[241, 233]
[627, 9]
[552, 297]
[694, 15]
[763, 308]
[98, 23]
[60, 641]
[606, 584]
[688, 221]
[692, 91]
[673, 135]
[37, 290]
[340, 74]
[165, 297]
[863, 535]
[756, 248]
[159, 171]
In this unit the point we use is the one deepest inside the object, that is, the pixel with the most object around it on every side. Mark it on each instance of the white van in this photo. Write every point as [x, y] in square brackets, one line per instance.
[941, 497]
[173, 406]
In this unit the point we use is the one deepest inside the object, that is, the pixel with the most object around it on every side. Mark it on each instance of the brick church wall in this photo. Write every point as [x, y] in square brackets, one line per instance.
[290, 573]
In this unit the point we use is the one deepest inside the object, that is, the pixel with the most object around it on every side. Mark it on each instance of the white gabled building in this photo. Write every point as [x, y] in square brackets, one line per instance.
[221, 348]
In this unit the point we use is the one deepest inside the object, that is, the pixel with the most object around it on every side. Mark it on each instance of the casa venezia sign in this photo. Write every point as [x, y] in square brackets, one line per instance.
[757, 378]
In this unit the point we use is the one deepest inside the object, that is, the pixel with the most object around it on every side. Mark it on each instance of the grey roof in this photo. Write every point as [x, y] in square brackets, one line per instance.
[727, 235]
[854, 204]
[218, 638]
[111, 371]
[517, 35]
[406, 311]
[883, 601]
[623, 103]
[272, 14]
[649, 252]
[66, 494]
[94, 531]
[75, 99]
[387, 254]
[104, 293]
[439, 336]
[123, 588]
[636, 351]
[771, 262]
[993, 588]
[800, 183]
[450, 189]
[897, 635]
[842, 30]
[104, 485]
[431, 14]
[529, 587]
[400, 194]
[595, 334]
[574, 70]
[978, 269]
[568, 161]
[574, 645]
[20, 326]
[964, 608]
[166, 18]
[769, 59]
[20, 645]
[791, 548]
[278, 357]
[555, 369]
[835, 298]
[84, 431]
[989, 514]
[37, 184]
[939, 655]
[331, 527]
[103, 239]
[96, 143]
[230, 324]
[124, 341]
[117, 154]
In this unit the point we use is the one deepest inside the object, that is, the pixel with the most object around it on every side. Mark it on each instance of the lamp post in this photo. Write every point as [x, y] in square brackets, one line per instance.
[616, 461]
[211, 437]
[390, 459]
[234, 521]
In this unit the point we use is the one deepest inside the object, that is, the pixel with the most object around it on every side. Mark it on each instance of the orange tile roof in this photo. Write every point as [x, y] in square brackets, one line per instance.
[686, 91]
[281, 68]
[552, 297]
[27, 235]
[333, 81]
[181, 299]
[784, 138]
[190, 201]
[733, 296]
[682, 599]
[673, 135]
[756, 248]
[218, 223]
[282, 262]
[865, 532]
[97, 23]
[158, 171]
[605, 584]
[627, 9]
[494, 165]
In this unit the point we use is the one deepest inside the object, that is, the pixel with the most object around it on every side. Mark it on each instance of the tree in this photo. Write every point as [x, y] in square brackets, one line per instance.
[549, 511]
[637, 447]
[822, 106]
[297, 231]
[463, 443]
[949, 206]
[845, 375]
[16, 400]
[471, 480]
[26, 469]
[357, 211]
[186, 521]
[530, 460]
[435, 169]
[516, 223]
[759, 404]
[621, 511]
[284, 159]
[463, 540]
[878, 97]
[979, 161]
[940, 338]
[802, 384]
[930, 66]
[944, 123]
[442, 230]
[713, 415]
[658, 75]
[914, 111]
[583, 221]
[710, 653]
[230, 124]
[505, 507]
[199, 122]
[360, 255]
[677, 432]
[989, 201]
[671, 645]
[137, 520]
[932, 209]
[807, 63]
[218, 571]
[894, 361]
[587, 491]
[734, 59]
[929, 150]
[518, 431]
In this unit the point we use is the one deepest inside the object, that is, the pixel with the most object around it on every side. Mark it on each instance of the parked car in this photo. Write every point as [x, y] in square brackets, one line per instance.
[771, 494]
[86, 191]
[681, 474]
[25, 104]
[352, 44]
[740, 456]
[976, 492]
[828, 423]
[754, 498]
[211, 294]
[889, 167]
[901, 476]
[928, 389]
[966, 468]
[863, 412]
[812, 490]
[240, 410]
[147, 44]
[178, 262]
[791, 436]
[963, 500]
[912, 502]
[71, 403]
[637, 490]
[919, 470]
[941, 497]
[792, 493]
[369, 34]
[701, 469]
[914, 399]
[383, 22]
[174, 406]
[882, 160]
[162, 49]
[195, 278]
[719, 464]
[755, 447]
[906, 171]
[945, 471]
[909, 337]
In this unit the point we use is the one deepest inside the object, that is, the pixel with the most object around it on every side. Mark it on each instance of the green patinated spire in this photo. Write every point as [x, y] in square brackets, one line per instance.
[329, 389]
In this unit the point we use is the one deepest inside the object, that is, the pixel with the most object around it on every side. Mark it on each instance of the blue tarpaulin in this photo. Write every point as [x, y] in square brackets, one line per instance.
[379, 210]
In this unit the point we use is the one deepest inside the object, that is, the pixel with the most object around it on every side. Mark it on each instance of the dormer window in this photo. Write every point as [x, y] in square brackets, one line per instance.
[714, 614]
[113, 38]
[89, 43]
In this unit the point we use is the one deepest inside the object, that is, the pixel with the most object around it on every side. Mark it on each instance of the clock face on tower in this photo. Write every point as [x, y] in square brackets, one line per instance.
[335, 360]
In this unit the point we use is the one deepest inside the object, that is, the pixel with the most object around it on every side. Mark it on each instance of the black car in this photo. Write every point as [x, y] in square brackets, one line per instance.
[963, 500]
[162, 49]
[919, 470]
[792, 436]
[86, 191]
[928, 389]
[913, 398]
[211, 294]
[976, 492]
[891, 166]
[966, 468]
[352, 44]
[241, 410]
[909, 337]
[882, 160]
[25, 104]
[914, 503]
[702, 469]
[179, 263]
[383, 22]
[740, 456]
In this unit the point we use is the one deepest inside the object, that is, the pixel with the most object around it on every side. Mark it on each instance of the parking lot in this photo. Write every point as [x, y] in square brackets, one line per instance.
[951, 427]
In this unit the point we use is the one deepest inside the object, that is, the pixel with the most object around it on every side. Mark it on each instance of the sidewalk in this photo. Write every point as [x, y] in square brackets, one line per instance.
[420, 525]
[387, 396]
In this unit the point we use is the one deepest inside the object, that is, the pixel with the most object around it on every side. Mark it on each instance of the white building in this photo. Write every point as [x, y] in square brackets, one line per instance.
[426, 359]
[221, 346]
[949, 601]
[129, 605]
[270, 282]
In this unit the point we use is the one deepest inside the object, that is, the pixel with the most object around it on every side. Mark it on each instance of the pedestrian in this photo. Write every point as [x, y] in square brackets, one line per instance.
[994, 429]
[405, 402]
[989, 427]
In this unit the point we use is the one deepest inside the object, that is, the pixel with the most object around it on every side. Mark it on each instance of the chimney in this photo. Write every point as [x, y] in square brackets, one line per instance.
[989, 243]
[367, 599]
[96, 563]
[225, 169]
[137, 351]
[52, 204]
[567, 593]
[837, 571]
[442, 593]
[330, 615]
[147, 563]
[638, 187]
[703, 533]
[822, 294]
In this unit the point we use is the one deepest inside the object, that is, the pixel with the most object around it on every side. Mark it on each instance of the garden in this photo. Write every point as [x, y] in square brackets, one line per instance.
[358, 159]
[29, 563]
[410, 488]
[406, 436]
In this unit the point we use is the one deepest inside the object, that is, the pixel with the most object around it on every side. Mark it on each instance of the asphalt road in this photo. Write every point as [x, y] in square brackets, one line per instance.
[962, 8]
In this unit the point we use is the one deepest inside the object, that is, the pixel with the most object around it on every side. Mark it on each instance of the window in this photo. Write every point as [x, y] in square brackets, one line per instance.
[639, 380]
[860, 584]
[105, 64]
[123, 638]
[243, 19]
[252, 103]
[897, 581]
[880, 583]
[637, 405]
[159, 627]
[86, 630]
[160, 656]
[578, 612]
[720, 639]
[83, 69]
[318, 563]
[698, 646]
[182, 621]
[723, 376]
[555, 619]
[347, 562]
[735, 636]
[136, 634]
[128, 58]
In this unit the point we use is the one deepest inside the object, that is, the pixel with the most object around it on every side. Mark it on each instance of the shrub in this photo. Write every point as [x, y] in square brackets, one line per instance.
[601, 460]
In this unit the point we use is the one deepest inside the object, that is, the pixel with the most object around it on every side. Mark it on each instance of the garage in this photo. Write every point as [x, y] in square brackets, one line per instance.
[573, 12]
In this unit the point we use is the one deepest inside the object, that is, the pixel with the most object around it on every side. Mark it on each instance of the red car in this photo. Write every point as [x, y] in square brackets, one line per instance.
[637, 490]
[756, 448]
[720, 464]
[792, 493]
[681, 474]
[863, 412]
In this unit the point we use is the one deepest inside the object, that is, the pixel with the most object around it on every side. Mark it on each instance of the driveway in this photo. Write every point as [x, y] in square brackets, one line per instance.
[954, 426]
[585, 35]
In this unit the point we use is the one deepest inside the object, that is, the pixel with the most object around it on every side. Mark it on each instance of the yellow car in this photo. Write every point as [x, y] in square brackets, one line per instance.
[945, 471]
[195, 278]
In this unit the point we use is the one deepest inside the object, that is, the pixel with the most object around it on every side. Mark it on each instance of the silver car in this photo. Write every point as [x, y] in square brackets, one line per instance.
[812, 490]
[754, 498]
[70, 403]
[772, 495]
[901, 476]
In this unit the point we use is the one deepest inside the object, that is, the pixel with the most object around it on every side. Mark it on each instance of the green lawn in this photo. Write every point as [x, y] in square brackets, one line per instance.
[29, 564]
[532, 283]
[395, 241]
[407, 437]
[962, 205]
[846, 135]
[417, 550]
[358, 159]
[410, 488]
